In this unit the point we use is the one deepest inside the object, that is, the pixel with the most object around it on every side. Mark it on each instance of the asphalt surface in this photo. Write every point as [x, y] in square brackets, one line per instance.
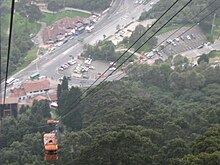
[184, 44]
[121, 13]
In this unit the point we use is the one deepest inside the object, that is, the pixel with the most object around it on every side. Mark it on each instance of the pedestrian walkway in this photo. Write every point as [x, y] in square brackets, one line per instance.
[39, 34]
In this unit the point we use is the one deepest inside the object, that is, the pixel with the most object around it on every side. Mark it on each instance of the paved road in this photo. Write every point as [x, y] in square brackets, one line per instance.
[121, 13]
[184, 44]
[205, 50]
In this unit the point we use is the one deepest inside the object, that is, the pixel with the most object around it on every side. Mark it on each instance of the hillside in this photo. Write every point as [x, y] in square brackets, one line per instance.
[93, 6]
[157, 115]
[196, 11]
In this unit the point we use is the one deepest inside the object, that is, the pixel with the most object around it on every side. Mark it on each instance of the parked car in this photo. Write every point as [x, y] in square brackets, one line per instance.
[188, 37]
[112, 68]
[85, 76]
[200, 46]
[60, 68]
[182, 38]
[91, 67]
[71, 62]
[169, 41]
[85, 69]
[193, 36]
[177, 39]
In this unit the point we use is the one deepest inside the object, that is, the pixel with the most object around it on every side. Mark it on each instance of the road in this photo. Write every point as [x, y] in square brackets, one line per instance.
[205, 50]
[121, 13]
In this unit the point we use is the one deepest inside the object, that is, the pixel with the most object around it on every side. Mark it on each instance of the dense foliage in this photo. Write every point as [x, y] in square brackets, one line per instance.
[21, 41]
[188, 15]
[137, 39]
[157, 115]
[102, 50]
[95, 5]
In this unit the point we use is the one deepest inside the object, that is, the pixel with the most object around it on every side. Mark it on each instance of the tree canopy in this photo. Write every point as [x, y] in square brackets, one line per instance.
[157, 115]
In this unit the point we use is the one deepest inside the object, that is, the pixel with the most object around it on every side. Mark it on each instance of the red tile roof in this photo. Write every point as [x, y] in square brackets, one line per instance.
[36, 85]
[60, 27]
[68, 23]
[17, 92]
[48, 36]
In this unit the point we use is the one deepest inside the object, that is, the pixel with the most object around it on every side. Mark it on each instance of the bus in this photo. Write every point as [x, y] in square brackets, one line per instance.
[10, 81]
[34, 76]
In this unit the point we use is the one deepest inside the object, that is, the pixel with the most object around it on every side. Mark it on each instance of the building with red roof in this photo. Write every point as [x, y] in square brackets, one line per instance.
[61, 28]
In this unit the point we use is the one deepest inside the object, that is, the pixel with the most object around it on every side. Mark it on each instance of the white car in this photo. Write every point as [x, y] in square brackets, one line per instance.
[85, 69]
[177, 39]
[112, 69]
[60, 68]
[91, 67]
[188, 37]
[112, 63]
[71, 62]
[60, 43]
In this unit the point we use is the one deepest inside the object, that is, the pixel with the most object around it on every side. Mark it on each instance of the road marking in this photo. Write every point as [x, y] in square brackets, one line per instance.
[67, 51]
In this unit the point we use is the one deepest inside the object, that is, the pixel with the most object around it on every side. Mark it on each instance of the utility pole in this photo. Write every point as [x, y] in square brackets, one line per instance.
[213, 24]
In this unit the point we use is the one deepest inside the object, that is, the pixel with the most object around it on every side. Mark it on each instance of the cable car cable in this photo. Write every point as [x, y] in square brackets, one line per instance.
[9, 46]
[79, 98]
[195, 24]
[129, 56]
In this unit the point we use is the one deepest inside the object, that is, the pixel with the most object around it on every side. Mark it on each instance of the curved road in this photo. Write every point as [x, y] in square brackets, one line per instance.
[121, 13]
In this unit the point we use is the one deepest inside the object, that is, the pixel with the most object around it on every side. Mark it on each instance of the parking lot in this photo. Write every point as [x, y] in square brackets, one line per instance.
[78, 70]
[180, 42]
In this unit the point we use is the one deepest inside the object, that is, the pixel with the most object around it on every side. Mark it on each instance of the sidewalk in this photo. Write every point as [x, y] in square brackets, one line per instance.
[38, 35]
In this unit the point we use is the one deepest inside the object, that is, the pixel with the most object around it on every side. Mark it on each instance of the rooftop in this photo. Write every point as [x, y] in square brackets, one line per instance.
[36, 85]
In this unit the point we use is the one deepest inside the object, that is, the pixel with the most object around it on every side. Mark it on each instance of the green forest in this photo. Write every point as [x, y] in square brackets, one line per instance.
[94, 6]
[23, 27]
[26, 25]
[193, 13]
[167, 113]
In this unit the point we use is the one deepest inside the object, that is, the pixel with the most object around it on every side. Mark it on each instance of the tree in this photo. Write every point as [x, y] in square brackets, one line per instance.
[103, 50]
[41, 108]
[179, 60]
[64, 84]
[209, 142]
[194, 80]
[203, 58]
[59, 91]
[71, 105]
[33, 12]
[53, 6]
[120, 148]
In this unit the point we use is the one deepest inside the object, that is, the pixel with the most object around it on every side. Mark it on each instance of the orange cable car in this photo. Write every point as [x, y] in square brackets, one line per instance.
[50, 147]
[51, 142]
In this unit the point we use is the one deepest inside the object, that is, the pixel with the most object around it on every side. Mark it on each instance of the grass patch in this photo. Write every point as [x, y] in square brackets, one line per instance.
[22, 24]
[168, 29]
[214, 53]
[5, 24]
[31, 55]
[216, 31]
[145, 48]
[51, 18]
